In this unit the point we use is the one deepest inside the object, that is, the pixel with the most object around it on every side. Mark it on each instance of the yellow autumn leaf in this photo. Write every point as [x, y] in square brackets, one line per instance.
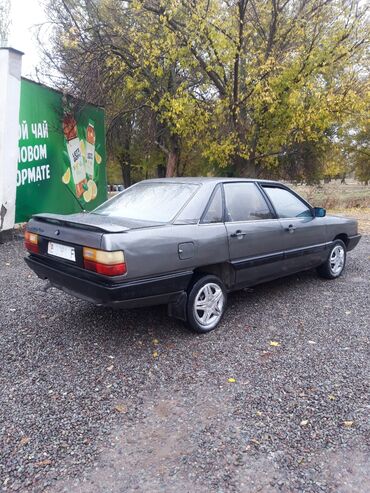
[231, 380]
[275, 343]
[42, 463]
[120, 408]
[155, 354]
[348, 424]
[24, 440]
[155, 341]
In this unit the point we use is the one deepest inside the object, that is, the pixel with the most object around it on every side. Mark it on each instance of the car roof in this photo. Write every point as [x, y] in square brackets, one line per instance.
[206, 179]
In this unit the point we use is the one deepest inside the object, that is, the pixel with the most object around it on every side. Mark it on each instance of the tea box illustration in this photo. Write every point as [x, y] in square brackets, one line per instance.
[81, 147]
[75, 155]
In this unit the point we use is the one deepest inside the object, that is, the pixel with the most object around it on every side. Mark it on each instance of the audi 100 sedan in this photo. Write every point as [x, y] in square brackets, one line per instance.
[187, 243]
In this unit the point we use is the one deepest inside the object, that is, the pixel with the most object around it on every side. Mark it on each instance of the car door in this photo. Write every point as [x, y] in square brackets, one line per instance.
[304, 234]
[255, 235]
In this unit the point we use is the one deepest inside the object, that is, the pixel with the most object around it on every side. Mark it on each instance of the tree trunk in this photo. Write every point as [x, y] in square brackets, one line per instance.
[126, 173]
[244, 167]
[173, 157]
[172, 162]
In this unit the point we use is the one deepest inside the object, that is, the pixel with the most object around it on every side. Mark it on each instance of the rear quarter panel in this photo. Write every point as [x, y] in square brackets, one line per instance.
[155, 251]
[336, 225]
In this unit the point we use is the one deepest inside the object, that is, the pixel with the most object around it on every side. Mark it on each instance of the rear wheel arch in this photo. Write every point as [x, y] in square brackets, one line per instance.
[224, 271]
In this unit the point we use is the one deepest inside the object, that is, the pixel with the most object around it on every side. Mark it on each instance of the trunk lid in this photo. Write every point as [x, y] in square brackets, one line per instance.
[77, 231]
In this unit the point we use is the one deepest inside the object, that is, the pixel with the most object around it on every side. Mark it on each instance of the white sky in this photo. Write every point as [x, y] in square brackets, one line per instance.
[25, 14]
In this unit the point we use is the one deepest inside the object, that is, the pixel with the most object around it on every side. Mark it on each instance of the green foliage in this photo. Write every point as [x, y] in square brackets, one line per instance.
[221, 86]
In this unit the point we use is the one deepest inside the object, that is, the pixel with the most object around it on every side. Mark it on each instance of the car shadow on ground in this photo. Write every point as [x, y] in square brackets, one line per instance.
[122, 325]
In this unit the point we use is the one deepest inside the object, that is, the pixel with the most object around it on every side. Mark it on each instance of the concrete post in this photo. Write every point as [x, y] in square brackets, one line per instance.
[10, 91]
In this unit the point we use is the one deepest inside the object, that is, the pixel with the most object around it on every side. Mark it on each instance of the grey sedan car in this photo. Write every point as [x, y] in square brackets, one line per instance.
[187, 242]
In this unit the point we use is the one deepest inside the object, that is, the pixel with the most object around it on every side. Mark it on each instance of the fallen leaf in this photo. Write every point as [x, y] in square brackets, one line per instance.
[275, 343]
[348, 313]
[254, 440]
[110, 368]
[231, 380]
[43, 463]
[311, 342]
[331, 397]
[155, 354]
[155, 341]
[120, 408]
[24, 440]
[304, 422]
[7, 263]
[258, 413]
[348, 424]
[12, 309]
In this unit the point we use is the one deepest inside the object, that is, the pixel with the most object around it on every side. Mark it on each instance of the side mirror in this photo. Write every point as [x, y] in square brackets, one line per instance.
[319, 212]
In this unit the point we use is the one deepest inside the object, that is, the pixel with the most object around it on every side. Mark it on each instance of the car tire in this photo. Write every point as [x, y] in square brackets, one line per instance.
[208, 292]
[336, 261]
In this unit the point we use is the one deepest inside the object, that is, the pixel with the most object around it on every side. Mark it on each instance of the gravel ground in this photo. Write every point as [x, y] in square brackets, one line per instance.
[96, 400]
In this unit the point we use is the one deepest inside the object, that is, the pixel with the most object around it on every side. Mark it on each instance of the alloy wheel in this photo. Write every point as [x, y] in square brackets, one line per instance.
[337, 258]
[208, 305]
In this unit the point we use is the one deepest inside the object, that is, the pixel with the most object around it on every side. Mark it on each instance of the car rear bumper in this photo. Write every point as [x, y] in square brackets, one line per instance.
[353, 242]
[129, 294]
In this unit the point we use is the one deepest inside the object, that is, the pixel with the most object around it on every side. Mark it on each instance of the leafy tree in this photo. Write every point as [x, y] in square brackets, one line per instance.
[360, 154]
[283, 72]
[237, 86]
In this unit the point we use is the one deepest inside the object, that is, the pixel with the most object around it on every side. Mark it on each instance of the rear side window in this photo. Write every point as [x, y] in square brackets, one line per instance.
[287, 204]
[244, 202]
[214, 213]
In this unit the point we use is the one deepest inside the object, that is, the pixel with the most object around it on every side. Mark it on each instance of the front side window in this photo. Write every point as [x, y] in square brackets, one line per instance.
[244, 202]
[149, 201]
[287, 204]
[214, 213]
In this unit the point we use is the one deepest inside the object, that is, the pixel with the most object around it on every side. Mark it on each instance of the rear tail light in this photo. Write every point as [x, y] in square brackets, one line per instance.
[106, 263]
[31, 242]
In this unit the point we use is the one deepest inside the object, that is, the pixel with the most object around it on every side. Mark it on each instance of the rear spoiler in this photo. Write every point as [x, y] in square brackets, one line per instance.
[78, 221]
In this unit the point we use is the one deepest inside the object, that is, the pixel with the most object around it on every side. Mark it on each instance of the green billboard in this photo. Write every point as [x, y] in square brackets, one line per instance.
[61, 159]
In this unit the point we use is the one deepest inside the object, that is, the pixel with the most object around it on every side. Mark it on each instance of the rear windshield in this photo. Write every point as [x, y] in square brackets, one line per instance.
[149, 201]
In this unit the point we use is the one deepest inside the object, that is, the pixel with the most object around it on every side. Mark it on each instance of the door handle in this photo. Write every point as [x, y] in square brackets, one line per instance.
[290, 228]
[238, 234]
